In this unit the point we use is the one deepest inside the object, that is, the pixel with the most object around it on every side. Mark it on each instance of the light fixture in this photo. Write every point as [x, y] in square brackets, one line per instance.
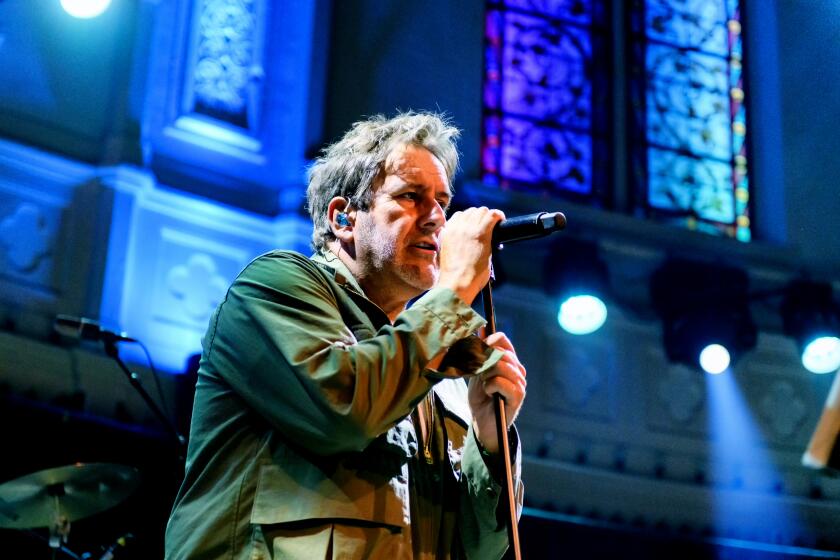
[582, 314]
[577, 278]
[85, 9]
[706, 320]
[811, 316]
[715, 358]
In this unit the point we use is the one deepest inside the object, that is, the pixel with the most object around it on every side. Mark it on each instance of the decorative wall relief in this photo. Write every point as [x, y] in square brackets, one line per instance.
[48, 225]
[25, 237]
[197, 285]
[674, 399]
[187, 268]
[783, 408]
[786, 401]
[230, 93]
[585, 379]
[226, 79]
[577, 375]
[681, 392]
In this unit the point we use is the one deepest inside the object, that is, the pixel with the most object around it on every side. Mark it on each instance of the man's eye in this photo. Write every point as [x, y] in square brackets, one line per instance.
[410, 196]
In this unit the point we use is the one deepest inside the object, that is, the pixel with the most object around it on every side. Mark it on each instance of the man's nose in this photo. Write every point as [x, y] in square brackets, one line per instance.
[435, 218]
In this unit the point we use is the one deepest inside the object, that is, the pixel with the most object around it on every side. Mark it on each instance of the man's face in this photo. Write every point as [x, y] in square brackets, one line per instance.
[397, 239]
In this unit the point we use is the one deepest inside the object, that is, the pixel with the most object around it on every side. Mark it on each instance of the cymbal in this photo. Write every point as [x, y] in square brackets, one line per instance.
[78, 491]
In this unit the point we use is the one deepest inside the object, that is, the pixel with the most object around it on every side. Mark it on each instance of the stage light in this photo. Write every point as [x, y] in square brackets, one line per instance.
[714, 359]
[712, 338]
[578, 279]
[810, 315]
[822, 355]
[706, 320]
[85, 9]
[582, 314]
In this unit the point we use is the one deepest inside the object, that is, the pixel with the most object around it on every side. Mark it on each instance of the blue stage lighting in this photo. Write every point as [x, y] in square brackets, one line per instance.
[812, 318]
[85, 9]
[714, 359]
[582, 314]
[740, 461]
[578, 279]
[822, 355]
[706, 319]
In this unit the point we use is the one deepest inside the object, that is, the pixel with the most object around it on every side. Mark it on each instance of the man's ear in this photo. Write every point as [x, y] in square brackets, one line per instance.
[342, 218]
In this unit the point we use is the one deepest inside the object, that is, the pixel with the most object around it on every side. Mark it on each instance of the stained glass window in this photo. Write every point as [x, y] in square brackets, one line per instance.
[689, 157]
[547, 106]
[546, 97]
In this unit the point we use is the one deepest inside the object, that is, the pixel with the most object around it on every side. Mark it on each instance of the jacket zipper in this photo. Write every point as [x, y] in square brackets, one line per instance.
[426, 417]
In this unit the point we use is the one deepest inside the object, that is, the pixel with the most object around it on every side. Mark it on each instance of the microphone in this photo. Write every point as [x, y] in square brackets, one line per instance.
[87, 329]
[530, 226]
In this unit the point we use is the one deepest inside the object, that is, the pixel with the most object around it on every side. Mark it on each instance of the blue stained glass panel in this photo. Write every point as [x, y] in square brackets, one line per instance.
[541, 121]
[688, 102]
[689, 150]
[544, 156]
[694, 24]
[574, 11]
[545, 76]
[700, 186]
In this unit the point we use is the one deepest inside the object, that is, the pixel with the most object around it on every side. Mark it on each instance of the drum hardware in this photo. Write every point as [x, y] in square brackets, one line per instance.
[55, 497]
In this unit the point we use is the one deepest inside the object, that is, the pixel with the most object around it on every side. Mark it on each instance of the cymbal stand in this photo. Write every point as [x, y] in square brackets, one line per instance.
[59, 548]
[60, 527]
[9, 513]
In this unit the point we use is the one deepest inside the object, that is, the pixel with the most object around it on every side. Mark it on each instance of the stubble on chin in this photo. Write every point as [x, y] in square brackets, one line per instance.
[420, 277]
[398, 266]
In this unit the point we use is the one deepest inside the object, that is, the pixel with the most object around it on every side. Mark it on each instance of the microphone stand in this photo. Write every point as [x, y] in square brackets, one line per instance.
[501, 430]
[109, 341]
[515, 229]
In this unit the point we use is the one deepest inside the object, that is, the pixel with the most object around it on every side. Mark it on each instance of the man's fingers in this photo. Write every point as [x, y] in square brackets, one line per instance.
[492, 217]
[513, 392]
[512, 359]
[501, 341]
[481, 219]
[514, 376]
[509, 376]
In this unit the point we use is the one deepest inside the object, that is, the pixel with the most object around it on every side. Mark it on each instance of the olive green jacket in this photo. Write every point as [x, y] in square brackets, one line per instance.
[301, 415]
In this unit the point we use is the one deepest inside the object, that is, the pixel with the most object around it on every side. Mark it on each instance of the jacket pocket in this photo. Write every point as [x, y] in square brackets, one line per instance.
[301, 491]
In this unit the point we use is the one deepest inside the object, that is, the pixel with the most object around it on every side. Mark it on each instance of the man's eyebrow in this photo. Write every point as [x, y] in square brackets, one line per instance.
[421, 186]
[444, 196]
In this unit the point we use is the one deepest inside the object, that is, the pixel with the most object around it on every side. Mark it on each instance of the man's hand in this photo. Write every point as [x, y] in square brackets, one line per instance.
[465, 251]
[506, 378]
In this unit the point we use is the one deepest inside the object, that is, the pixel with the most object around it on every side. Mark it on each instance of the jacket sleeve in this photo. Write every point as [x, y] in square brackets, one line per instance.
[280, 341]
[484, 514]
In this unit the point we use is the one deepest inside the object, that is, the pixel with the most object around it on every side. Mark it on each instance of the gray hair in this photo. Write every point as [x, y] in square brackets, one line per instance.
[350, 167]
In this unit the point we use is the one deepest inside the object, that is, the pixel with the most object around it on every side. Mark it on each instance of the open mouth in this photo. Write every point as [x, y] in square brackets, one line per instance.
[426, 246]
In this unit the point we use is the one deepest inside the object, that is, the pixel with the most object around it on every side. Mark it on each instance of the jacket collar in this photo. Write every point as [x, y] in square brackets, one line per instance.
[329, 260]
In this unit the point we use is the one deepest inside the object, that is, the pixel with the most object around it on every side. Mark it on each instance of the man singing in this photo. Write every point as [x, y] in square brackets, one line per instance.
[332, 418]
